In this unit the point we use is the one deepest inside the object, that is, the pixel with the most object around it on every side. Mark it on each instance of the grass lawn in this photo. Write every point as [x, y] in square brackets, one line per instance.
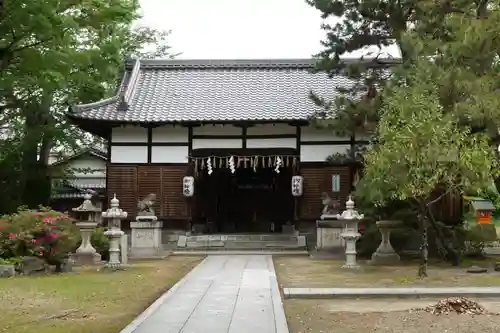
[87, 301]
[304, 272]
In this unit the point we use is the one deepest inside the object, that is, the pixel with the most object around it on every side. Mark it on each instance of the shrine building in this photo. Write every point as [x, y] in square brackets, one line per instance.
[220, 141]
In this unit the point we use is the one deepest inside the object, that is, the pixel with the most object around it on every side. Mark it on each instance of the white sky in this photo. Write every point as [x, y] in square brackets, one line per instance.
[237, 29]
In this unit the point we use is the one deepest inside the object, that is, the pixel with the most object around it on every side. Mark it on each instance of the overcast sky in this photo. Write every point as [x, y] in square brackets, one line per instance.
[237, 29]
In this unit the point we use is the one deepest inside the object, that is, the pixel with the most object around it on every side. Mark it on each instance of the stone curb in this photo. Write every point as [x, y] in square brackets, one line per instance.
[223, 252]
[331, 293]
[280, 322]
[130, 328]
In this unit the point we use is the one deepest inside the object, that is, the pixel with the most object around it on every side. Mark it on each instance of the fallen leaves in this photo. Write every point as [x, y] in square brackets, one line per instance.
[458, 305]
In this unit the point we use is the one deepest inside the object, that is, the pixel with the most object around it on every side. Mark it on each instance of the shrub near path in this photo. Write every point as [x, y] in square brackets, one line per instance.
[86, 301]
[46, 234]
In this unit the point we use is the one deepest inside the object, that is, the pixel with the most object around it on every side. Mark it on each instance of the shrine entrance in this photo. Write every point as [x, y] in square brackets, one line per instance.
[244, 194]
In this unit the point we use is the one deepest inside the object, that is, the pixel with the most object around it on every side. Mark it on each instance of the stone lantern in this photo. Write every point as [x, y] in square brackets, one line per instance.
[350, 234]
[86, 213]
[114, 215]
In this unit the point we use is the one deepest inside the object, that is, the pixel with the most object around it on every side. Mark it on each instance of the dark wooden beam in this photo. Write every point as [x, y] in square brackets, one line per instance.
[244, 137]
[150, 142]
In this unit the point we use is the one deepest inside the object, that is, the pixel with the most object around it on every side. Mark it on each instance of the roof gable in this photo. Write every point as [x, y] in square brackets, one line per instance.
[96, 153]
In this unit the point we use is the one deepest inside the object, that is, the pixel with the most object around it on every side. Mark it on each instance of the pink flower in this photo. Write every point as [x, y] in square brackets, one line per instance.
[52, 235]
[12, 236]
[47, 219]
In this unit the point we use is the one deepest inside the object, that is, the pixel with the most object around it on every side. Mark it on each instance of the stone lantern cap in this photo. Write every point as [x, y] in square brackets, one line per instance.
[115, 211]
[350, 213]
[87, 205]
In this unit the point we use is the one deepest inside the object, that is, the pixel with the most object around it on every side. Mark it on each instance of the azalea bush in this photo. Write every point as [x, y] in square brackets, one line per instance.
[44, 233]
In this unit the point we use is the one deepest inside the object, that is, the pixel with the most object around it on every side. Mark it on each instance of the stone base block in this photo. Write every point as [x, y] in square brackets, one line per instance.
[7, 270]
[146, 239]
[83, 259]
[385, 258]
[145, 253]
[328, 235]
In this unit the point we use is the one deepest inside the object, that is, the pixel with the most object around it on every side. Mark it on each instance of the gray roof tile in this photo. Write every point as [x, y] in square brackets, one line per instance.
[214, 90]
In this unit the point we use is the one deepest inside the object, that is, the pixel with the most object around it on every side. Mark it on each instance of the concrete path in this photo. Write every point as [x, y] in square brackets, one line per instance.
[223, 294]
[316, 293]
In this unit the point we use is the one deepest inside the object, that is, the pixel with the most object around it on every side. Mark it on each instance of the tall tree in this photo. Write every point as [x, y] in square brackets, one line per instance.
[54, 53]
[421, 149]
[359, 25]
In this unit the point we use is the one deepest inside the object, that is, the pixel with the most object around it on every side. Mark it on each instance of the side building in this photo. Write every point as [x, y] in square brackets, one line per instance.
[240, 127]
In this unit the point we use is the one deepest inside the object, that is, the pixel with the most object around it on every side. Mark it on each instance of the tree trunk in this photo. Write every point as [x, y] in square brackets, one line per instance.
[450, 253]
[424, 247]
[35, 178]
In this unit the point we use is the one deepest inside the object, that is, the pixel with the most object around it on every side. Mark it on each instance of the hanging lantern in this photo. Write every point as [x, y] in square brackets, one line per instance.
[188, 186]
[297, 186]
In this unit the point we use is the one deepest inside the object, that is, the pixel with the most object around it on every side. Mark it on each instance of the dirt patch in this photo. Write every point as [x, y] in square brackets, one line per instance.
[304, 272]
[87, 300]
[384, 316]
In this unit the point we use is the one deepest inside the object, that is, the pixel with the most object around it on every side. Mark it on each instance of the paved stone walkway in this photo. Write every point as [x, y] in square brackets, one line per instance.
[223, 294]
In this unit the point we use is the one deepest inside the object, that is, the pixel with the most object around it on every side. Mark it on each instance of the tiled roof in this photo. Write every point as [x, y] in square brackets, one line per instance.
[162, 91]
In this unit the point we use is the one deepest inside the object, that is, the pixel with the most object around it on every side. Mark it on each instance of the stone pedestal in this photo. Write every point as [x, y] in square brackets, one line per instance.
[329, 244]
[114, 236]
[385, 254]
[86, 254]
[351, 236]
[146, 237]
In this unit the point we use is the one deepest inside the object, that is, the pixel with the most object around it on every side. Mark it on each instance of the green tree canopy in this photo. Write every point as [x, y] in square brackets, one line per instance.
[52, 54]
[461, 36]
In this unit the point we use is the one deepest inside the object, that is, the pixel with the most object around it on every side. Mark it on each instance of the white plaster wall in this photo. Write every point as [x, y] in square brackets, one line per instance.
[169, 154]
[271, 129]
[170, 133]
[217, 143]
[217, 130]
[309, 133]
[319, 153]
[87, 162]
[272, 143]
[129, 134]
[129, 154]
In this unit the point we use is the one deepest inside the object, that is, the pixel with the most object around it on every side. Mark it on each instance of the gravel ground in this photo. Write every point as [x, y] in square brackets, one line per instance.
[384, 316]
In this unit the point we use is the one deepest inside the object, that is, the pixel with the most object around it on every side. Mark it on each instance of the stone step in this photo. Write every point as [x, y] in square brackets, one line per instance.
[260, 245]
[243, 238]
[240, 250]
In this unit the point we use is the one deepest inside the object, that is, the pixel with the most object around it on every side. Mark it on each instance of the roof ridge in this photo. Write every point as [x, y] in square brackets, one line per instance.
[243, 63]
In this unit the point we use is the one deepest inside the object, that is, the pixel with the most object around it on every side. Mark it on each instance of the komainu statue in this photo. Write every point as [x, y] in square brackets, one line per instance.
[330, 206]
[145, 205]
